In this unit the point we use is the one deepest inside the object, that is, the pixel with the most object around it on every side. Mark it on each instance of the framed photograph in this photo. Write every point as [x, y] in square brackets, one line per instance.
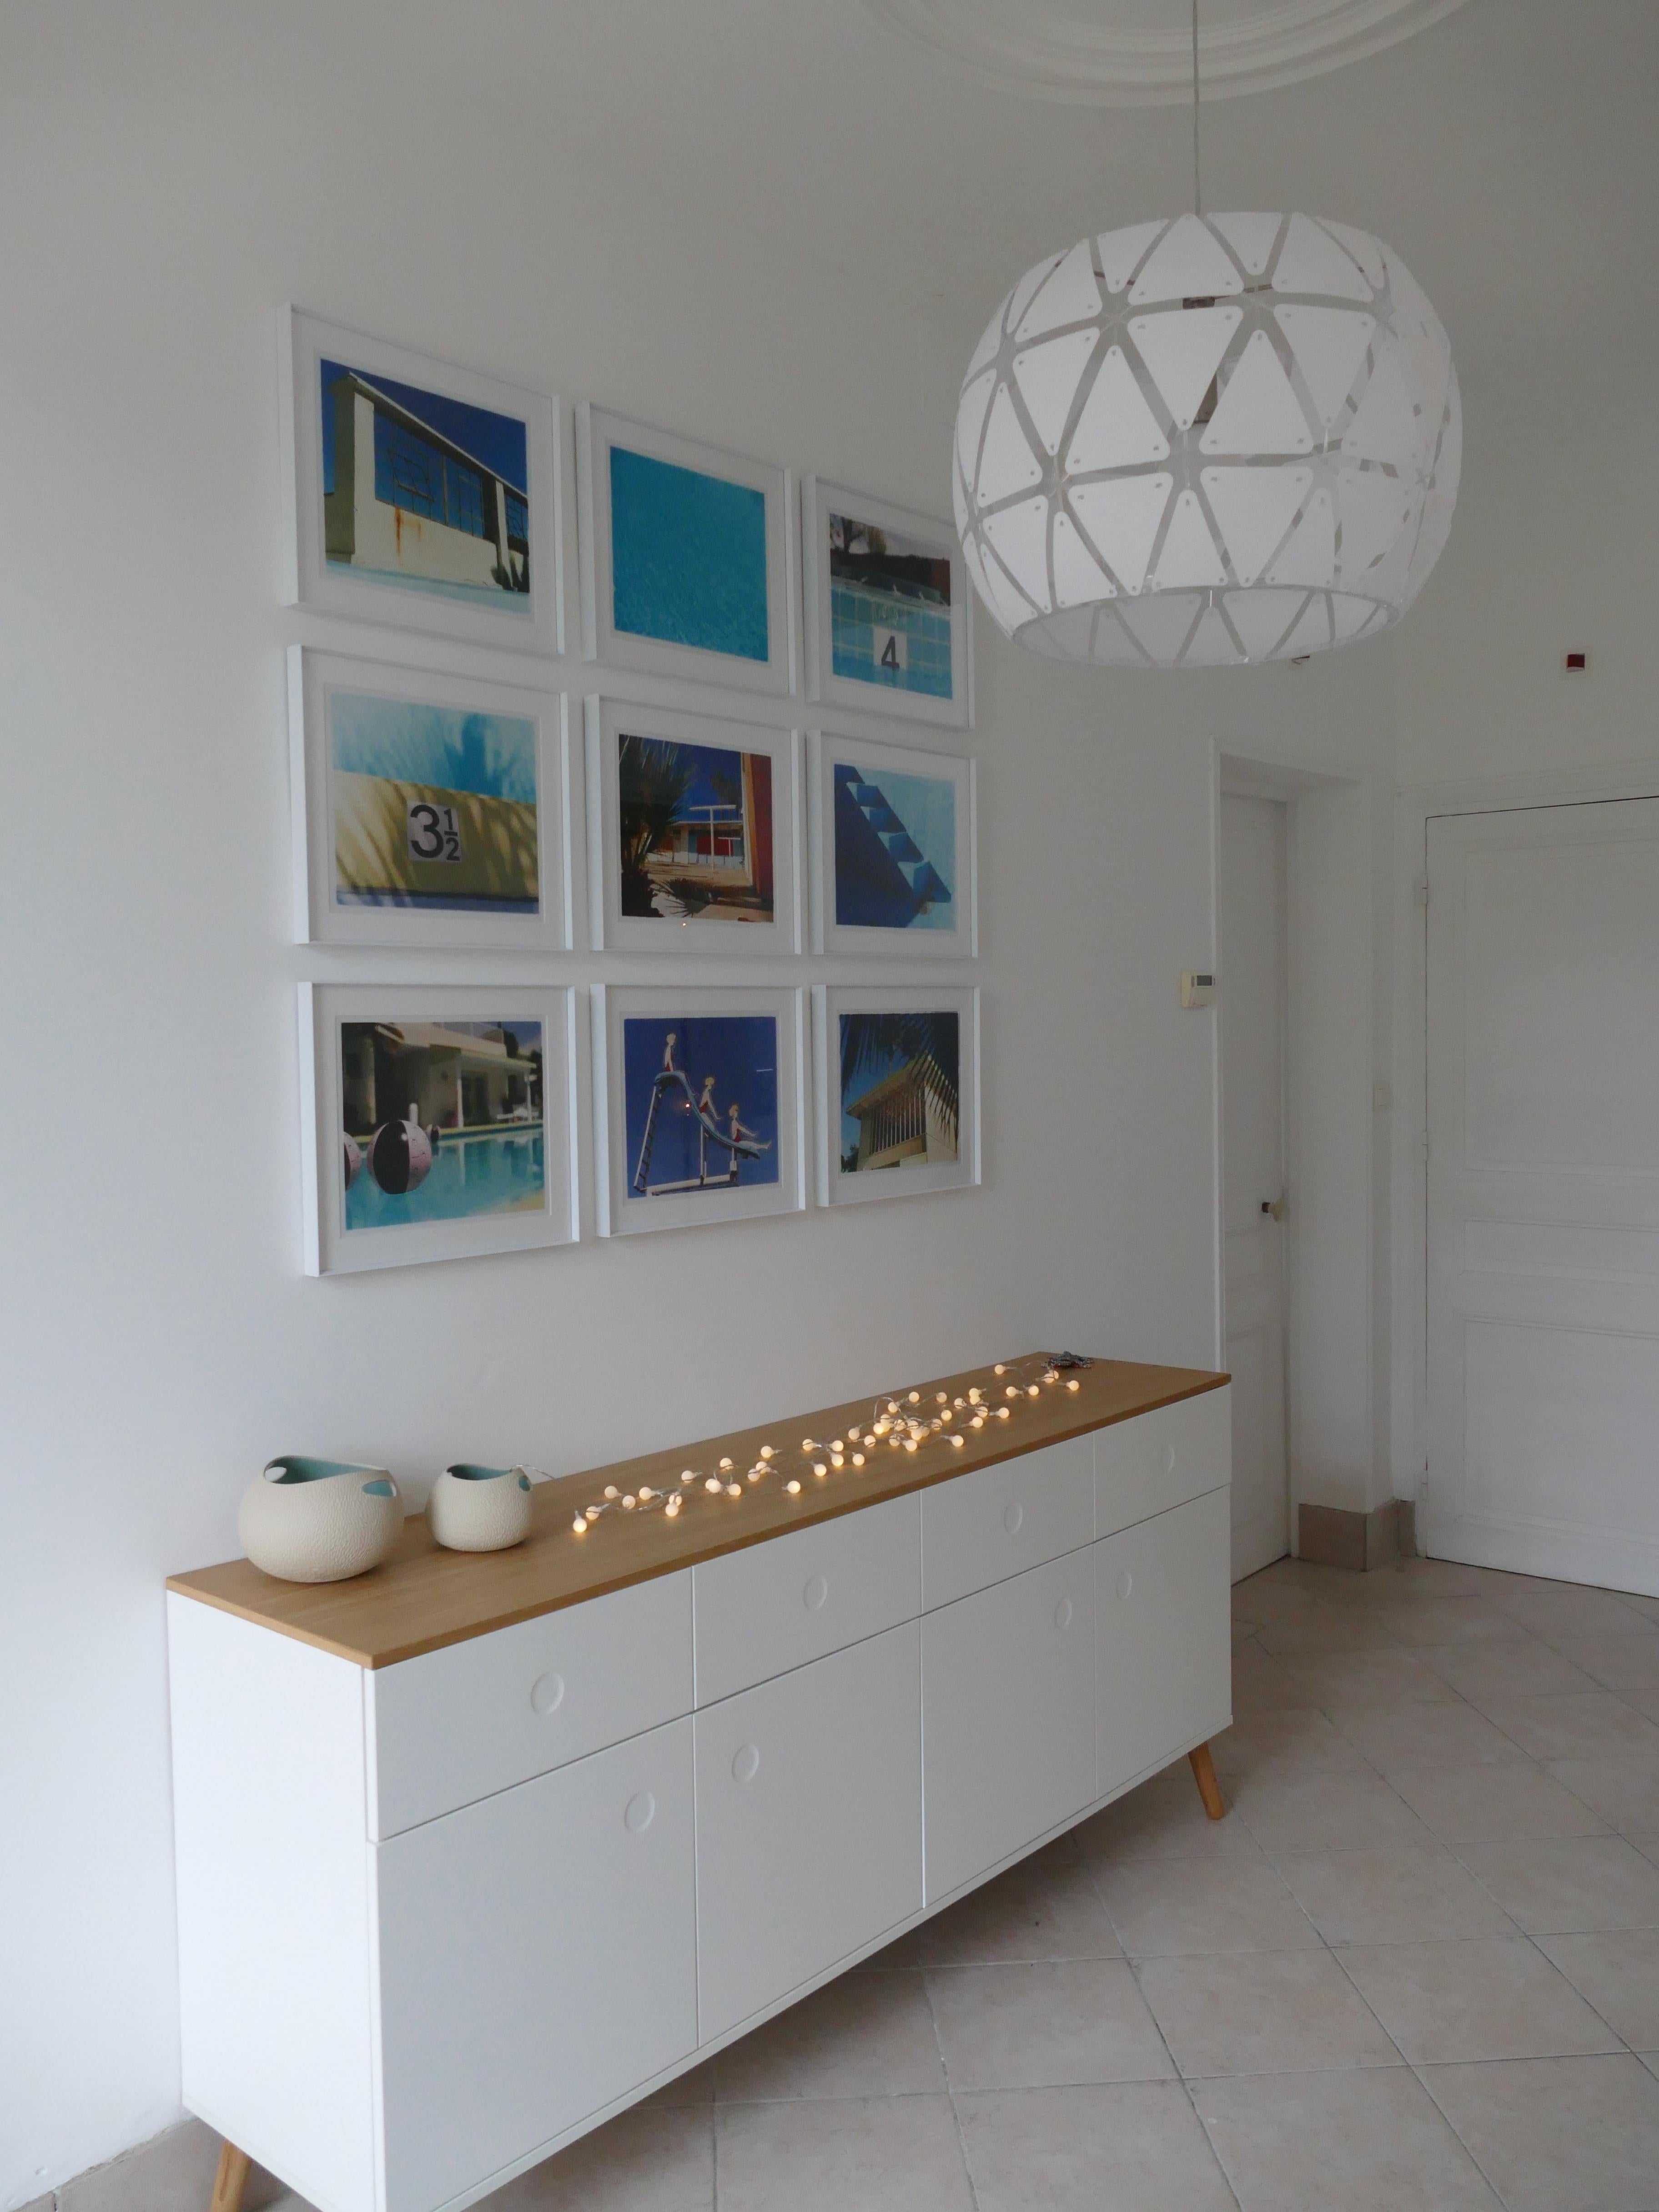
[694, 832]
[898, 1090]
[887, 608]
[418, 493]
[429, 810]
[439, 1121]
[700, 1102]
[892, 834]
[686, 556]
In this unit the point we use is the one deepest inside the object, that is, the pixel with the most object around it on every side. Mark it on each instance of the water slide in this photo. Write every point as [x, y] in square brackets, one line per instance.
[738, 1147]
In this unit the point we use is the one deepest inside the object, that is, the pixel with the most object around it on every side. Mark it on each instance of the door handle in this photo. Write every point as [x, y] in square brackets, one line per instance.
[1275, 1206]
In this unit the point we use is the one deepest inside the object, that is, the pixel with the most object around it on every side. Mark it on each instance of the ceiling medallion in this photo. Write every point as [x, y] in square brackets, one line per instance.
[1070, 50]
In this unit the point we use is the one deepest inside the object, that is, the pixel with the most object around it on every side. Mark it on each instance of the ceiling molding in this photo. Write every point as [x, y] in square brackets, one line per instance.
[1053, 54]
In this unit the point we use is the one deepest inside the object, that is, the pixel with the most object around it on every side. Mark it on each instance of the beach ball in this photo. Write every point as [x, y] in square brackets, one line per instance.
[399, 1156]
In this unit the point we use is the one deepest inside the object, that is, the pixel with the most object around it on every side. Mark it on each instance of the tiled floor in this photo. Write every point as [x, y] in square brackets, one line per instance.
[1416, 1968]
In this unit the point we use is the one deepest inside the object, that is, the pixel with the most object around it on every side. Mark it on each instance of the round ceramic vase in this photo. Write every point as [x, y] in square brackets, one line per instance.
[319, 1520]
[479, 1509]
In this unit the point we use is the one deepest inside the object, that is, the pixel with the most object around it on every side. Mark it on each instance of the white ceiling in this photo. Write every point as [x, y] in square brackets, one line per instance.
[1138, 53]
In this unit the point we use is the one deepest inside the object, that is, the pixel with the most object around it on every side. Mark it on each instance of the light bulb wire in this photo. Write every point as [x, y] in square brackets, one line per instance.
[1198, 187]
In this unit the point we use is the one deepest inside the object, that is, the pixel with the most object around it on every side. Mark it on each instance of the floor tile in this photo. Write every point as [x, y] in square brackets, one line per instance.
[1301, 1741]
[1521, 1667]
[1370, 2140]
[904, 1951]
[1568, 1609]
[1422, 1621]
[1496, 1997]
[1468, 1804]
[861, 2035]
[1414, 1894]
[1558, 2135]
[1042, 2026]
[1619, 1974]
[1647, 1607]
[1325, 1812]
[1344, 1628]
[694, 2087]
[1584, 1725]
[1423, 1736]
[1369, 1678]
[1261, 2012]
[645, 2160]
[1428, 1578]
[1643, 1701]
[1124, 2147]
[1576, 1884]
[1031, 1912]
[1617, 1663]
[1623, 1791]
[1163, 1819]
[878, 2154]
[1261, 1684]
[1159, 1907]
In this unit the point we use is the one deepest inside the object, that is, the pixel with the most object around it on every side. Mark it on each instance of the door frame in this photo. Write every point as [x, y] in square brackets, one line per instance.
[1415, 806]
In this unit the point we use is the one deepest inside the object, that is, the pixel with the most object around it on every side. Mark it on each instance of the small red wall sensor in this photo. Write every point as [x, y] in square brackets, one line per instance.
[1574, 664]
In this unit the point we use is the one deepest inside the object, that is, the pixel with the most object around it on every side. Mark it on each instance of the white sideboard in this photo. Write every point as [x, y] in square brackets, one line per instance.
[439, 1917]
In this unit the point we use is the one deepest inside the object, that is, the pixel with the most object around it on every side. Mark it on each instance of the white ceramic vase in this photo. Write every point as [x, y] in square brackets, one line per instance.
[319, 1520]
[479, 1509]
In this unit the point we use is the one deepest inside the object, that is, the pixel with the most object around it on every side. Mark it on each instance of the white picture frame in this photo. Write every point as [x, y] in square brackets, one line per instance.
[633, 645]
[626, 1134]
[422, 569]
[909, 1116]
[897, 613]
[864, 883]
[710, 934]
[414, 829]
[333, 1245]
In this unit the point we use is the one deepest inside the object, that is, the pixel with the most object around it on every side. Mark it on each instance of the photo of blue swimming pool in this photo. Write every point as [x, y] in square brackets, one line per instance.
[895, 850]
[890, 610]
[688, 556]
[469, 1175]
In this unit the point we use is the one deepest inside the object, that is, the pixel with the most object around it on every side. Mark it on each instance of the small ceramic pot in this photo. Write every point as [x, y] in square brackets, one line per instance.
[319, 1520]
[479, 1509]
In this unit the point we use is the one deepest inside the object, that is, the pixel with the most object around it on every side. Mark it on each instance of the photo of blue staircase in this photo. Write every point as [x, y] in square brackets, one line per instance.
[884, 877]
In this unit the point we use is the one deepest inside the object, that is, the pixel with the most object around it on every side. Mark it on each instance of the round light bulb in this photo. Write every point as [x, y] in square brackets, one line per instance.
[734, 1490]
[579, 1524]
[915, 1397]
[793, 1488]
[1031, 1391]
[612, 1491]
[713, 1484]
[858, 1459]
[725, 1467]
[978, 1421]
[909, 1444]
[766, 1451]
[673, 1507]
[1002, 1413]
[999, 1369]
[818, 1467]
[975, 1395]
[957, 1443]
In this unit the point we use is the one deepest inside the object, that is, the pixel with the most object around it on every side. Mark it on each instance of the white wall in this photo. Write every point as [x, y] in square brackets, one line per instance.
[168, 177]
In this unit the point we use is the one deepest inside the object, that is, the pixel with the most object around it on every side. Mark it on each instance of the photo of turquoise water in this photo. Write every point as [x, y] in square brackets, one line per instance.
[688, 557]
[412, 742]
[895, 850]
[494, 1174]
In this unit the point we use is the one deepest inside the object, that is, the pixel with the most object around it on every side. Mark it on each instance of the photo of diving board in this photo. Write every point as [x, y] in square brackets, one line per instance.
[694, 832]
[427, 810]
[439, 1122]
[892, 835]
[418, 493]
[699, 1105]
[898, 1105]
[686, 556]
[887, 608]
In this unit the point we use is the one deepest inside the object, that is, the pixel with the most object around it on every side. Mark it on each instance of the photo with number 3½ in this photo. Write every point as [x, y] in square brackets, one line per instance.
[434, 807]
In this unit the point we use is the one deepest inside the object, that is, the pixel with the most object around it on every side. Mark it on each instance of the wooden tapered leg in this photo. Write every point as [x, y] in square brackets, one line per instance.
[1208, 1788]
[230, 2180]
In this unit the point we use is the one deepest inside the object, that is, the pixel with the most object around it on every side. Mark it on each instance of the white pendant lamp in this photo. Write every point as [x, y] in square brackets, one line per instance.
[1207, 440]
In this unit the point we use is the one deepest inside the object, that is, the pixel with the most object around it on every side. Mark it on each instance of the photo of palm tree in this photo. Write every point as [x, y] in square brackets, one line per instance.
[901, 1084]
[694, 831]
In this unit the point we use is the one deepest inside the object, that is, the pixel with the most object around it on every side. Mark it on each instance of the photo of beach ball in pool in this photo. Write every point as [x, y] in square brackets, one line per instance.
[400, 1156]
[353, 1159]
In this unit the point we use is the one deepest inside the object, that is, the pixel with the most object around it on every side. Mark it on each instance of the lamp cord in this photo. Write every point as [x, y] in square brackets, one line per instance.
[1198, 193]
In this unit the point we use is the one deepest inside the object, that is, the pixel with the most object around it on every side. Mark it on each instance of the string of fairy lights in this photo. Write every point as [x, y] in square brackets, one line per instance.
[906, 1421]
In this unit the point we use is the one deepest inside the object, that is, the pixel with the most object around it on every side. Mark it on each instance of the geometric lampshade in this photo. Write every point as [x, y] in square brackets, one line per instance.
[1210, 439]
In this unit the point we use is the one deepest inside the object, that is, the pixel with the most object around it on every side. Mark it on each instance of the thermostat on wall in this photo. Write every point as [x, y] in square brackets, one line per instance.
[1197, 988]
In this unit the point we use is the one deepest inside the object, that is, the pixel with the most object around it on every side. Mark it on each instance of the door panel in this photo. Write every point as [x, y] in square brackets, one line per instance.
[809, 1822]
[538, 1959]
[1008, 1703]
[1543, 1191]
[1252, 1001]
[1163, 1638]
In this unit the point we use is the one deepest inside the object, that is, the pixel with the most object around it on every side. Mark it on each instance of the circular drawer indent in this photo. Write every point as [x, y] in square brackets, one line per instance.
[1126, 1582]
[816, 1595]
[1013, 1519]
[640, 1812]
[746, 1764]
[1063, 1613]
[547, 1693]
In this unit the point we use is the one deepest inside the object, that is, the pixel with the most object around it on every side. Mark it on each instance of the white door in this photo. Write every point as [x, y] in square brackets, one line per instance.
[1543, 1192]
[1252, 1000]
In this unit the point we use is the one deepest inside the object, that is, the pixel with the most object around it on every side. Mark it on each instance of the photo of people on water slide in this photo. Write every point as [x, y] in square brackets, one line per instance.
[701, 1103]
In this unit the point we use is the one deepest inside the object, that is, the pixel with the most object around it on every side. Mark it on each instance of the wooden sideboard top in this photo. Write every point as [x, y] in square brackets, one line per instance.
[424, 1597]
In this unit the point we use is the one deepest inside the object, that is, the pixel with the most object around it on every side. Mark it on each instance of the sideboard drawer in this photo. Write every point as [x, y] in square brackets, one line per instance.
[780, 1604]
[1162, 1459]
[983, 1527]
[457, 1724]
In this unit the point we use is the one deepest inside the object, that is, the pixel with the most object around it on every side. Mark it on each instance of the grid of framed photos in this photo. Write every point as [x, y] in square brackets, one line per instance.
[675, 815]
